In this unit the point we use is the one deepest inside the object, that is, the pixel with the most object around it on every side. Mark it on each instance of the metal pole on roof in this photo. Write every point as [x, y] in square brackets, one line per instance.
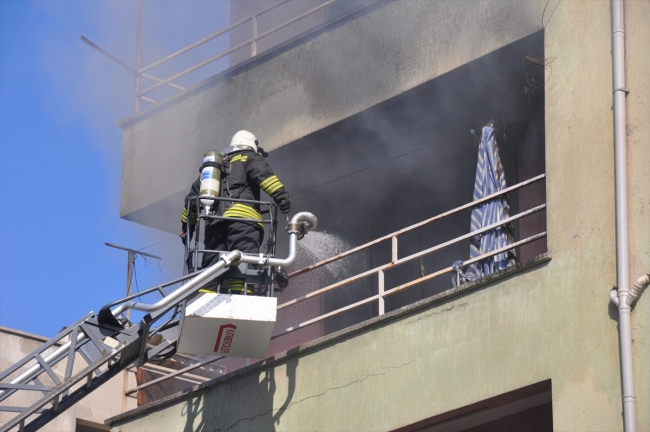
[138, 53]
[129, 278]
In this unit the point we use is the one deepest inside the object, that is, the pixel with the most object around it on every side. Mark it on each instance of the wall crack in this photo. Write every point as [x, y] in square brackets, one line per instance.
[273, 410]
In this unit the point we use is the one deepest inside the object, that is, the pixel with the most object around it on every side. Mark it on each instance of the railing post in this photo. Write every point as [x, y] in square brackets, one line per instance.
[394, 250]
[138, 53]
[254, 38]
[380, 276]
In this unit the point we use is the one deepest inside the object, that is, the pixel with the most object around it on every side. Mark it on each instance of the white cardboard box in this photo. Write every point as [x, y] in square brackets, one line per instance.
[228, 325]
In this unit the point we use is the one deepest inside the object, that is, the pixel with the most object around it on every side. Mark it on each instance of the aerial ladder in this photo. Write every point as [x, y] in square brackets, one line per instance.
[108, 343]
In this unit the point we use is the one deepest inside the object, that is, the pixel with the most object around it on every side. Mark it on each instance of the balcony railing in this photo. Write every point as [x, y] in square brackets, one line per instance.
[395, 261]
[382, 293]
[145, 74]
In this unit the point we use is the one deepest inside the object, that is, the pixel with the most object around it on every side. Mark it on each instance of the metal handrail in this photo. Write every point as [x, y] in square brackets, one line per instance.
[396, 263]
[212, 36]
[135, 72]
[173, 374]
[193, 68]
[381, 294]
[414, 226]
[252, 41]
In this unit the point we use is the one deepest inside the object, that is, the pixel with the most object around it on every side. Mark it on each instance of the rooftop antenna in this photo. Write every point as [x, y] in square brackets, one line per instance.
[129, 277]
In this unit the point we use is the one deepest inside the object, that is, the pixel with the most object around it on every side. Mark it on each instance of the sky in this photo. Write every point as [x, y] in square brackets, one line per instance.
[61, 150]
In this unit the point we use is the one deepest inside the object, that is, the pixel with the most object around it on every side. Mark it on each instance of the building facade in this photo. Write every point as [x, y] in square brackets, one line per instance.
[87, 415]
[370, 121]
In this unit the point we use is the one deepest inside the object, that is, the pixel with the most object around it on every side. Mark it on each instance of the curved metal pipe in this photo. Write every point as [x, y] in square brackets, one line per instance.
[206, 276]
[308, 220]
[300, 224]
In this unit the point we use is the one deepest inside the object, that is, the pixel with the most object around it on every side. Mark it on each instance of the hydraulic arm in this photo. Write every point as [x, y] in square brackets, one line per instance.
[108, 344]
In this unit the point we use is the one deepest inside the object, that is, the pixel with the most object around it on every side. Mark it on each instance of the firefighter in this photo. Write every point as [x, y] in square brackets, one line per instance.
[248, 173]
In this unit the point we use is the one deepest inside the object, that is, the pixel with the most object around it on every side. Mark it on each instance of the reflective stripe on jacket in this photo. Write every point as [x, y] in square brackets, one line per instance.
[249, 173]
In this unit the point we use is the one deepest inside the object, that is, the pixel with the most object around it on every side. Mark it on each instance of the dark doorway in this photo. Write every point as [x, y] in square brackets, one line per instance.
[528, 409]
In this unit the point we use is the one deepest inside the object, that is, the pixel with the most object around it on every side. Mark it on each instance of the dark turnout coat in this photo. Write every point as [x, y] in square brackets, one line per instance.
[248, 173]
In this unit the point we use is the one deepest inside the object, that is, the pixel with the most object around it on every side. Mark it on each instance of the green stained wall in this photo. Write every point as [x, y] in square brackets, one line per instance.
[551, 321]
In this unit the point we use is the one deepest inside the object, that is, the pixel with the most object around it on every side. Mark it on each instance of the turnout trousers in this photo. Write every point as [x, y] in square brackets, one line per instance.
[229, 236]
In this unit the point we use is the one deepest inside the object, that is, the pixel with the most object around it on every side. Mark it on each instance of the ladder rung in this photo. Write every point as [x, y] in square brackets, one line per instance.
[19, 409]
[33, 387]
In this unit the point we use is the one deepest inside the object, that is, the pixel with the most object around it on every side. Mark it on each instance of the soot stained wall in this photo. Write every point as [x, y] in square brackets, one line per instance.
[413, 157]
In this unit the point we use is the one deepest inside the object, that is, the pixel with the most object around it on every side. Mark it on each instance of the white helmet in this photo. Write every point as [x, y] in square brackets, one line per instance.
[244, 138]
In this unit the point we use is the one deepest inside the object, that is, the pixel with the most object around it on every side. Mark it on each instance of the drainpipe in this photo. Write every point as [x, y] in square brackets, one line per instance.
[622, 263]
[624, 300]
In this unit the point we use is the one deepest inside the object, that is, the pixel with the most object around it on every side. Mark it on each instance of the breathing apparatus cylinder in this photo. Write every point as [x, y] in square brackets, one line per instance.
[210, 178]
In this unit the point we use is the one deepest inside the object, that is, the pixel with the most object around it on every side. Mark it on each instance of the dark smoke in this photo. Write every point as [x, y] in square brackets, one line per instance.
[361, 187]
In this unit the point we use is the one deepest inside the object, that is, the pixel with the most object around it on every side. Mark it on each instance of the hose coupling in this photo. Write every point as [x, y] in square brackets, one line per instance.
[295, 228]
[228, 262]
[301, 224]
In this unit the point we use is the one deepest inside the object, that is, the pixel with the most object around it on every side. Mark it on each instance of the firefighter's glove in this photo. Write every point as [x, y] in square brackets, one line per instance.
[285, 205]
[183, 233]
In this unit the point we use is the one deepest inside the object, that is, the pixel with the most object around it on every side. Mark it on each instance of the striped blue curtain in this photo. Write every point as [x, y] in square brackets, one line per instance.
[490, 178]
